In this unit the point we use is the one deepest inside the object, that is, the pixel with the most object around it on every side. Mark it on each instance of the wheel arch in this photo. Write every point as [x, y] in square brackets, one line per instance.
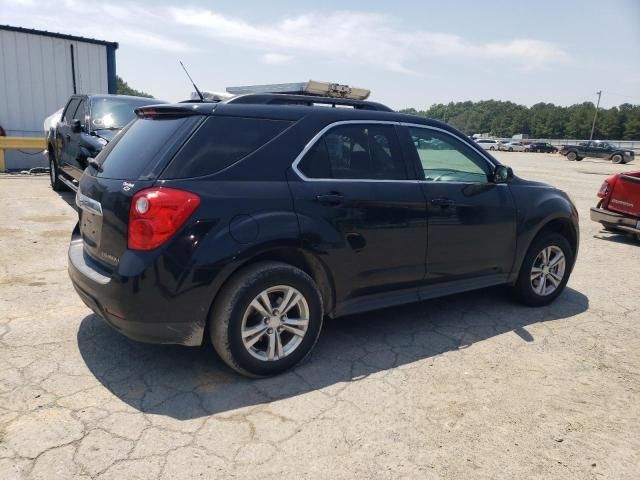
[562, 225]
[290, 253]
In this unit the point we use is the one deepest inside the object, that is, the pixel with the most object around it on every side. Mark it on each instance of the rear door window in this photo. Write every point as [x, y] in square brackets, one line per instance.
[356, 152]
[141, 150]
[220, 142]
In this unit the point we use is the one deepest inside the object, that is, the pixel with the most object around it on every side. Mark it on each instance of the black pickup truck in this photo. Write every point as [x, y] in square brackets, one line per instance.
[597, 149]
[87, 124]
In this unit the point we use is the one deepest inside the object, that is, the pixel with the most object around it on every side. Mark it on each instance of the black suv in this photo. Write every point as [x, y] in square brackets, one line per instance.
[87, 124]
[253, 218]
[541, 147]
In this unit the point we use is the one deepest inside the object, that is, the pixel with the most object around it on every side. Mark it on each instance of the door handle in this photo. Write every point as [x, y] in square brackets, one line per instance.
[332, 200]
[442, 202]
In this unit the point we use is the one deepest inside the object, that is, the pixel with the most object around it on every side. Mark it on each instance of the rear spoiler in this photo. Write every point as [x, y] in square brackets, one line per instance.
[173, 111]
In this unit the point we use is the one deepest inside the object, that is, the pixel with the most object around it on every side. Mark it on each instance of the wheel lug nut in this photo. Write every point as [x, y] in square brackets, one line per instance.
[270, 331]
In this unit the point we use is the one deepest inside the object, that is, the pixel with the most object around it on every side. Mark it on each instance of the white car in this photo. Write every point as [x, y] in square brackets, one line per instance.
[488, 144]
[513, 147]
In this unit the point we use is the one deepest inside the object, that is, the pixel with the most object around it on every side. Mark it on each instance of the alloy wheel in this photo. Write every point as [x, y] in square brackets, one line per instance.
[275, 323]
[547, 271]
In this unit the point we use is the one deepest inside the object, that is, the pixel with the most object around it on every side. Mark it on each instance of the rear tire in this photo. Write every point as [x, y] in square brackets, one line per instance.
[491, 148]
[571, 156]
[617, 159]
[55, 182]
[251, 339]
[536, 291]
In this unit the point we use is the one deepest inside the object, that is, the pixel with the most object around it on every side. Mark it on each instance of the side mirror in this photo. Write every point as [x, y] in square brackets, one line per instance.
[76, 126]
[502, 174]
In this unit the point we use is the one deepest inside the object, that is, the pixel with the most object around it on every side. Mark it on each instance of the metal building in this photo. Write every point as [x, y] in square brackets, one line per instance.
[39, 70]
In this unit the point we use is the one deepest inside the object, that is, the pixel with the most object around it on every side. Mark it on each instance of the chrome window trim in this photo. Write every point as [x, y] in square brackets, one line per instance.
[319, 135]
[88, 204]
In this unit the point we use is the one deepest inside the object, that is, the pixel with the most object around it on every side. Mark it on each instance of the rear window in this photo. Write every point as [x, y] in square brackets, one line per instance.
[221, 142]
[140, 151]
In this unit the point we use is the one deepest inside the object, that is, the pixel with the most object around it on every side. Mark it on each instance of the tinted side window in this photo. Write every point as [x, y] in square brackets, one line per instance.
[356, 152]
[444, 158]
[71, 110]
[221, 142]
[81, 112]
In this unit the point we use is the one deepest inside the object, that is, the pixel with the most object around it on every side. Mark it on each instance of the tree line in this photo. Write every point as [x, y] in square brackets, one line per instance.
[542, 120]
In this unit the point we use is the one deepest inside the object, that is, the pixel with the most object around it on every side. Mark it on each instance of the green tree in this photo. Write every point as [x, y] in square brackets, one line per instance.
[632, 125]
[542, 120]
[123, 88]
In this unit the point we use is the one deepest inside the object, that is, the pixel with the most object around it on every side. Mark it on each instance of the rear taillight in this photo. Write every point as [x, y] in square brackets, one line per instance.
[604, 189]
[156, 214]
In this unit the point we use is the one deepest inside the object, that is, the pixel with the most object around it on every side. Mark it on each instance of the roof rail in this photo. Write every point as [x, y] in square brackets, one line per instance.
[308, 100]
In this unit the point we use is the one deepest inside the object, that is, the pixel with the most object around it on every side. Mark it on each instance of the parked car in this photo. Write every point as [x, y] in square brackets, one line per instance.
[254, 218]
[87, 124]
[513, 147]
[619, 207]
[488, 144]
[541, 147]
[597, 149]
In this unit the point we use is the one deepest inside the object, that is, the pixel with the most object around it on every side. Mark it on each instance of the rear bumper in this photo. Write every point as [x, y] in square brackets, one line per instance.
[124, 303]
[620, 221]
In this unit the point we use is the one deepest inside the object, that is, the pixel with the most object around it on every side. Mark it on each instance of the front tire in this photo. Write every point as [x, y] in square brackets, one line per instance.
[617, 159]
[572, 156]
[266, 319]
[545, 270]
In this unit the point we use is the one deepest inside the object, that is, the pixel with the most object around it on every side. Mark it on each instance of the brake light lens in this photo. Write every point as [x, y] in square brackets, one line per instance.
[604, 189]
[156, 214]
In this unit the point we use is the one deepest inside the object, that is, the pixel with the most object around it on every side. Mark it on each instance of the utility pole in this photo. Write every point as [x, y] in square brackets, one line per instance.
[593, 126]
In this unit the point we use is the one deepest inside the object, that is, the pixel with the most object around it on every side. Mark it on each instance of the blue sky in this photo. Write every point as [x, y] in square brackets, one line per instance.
[409, 53]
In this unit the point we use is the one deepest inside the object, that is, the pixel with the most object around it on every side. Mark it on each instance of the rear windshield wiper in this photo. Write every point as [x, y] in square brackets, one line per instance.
[94, 163]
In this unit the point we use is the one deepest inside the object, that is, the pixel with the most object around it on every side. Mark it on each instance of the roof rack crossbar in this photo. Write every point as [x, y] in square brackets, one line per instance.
[309, 100]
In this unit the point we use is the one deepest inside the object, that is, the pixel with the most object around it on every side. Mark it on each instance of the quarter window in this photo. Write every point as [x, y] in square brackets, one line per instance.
[443, 158]
[221, 142]
[358, 151]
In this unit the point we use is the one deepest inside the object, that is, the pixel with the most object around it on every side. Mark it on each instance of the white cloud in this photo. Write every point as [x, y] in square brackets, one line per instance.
[339, 37]
[275, 58]
[124, 23]
[362, 38]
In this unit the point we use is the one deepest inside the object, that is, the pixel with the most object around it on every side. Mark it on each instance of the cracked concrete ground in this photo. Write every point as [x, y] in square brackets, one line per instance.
[470, 386]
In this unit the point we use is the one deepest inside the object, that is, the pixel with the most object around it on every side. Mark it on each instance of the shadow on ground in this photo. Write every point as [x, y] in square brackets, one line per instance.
[185, 383]
[617, 237]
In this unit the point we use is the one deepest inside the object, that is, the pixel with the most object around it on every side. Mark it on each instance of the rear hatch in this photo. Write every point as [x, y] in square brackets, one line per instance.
[131, 162]
[625, 197]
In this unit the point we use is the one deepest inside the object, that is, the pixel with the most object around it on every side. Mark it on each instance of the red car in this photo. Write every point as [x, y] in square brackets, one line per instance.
[619, 209]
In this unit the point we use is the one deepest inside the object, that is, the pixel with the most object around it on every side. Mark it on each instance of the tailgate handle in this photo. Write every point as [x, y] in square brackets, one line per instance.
[88, 204]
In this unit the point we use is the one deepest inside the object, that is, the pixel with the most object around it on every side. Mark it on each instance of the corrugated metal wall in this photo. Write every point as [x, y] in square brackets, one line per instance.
[36, 80]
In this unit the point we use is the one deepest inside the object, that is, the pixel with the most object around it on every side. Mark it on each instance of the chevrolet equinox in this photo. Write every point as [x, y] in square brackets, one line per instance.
[251, 219]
